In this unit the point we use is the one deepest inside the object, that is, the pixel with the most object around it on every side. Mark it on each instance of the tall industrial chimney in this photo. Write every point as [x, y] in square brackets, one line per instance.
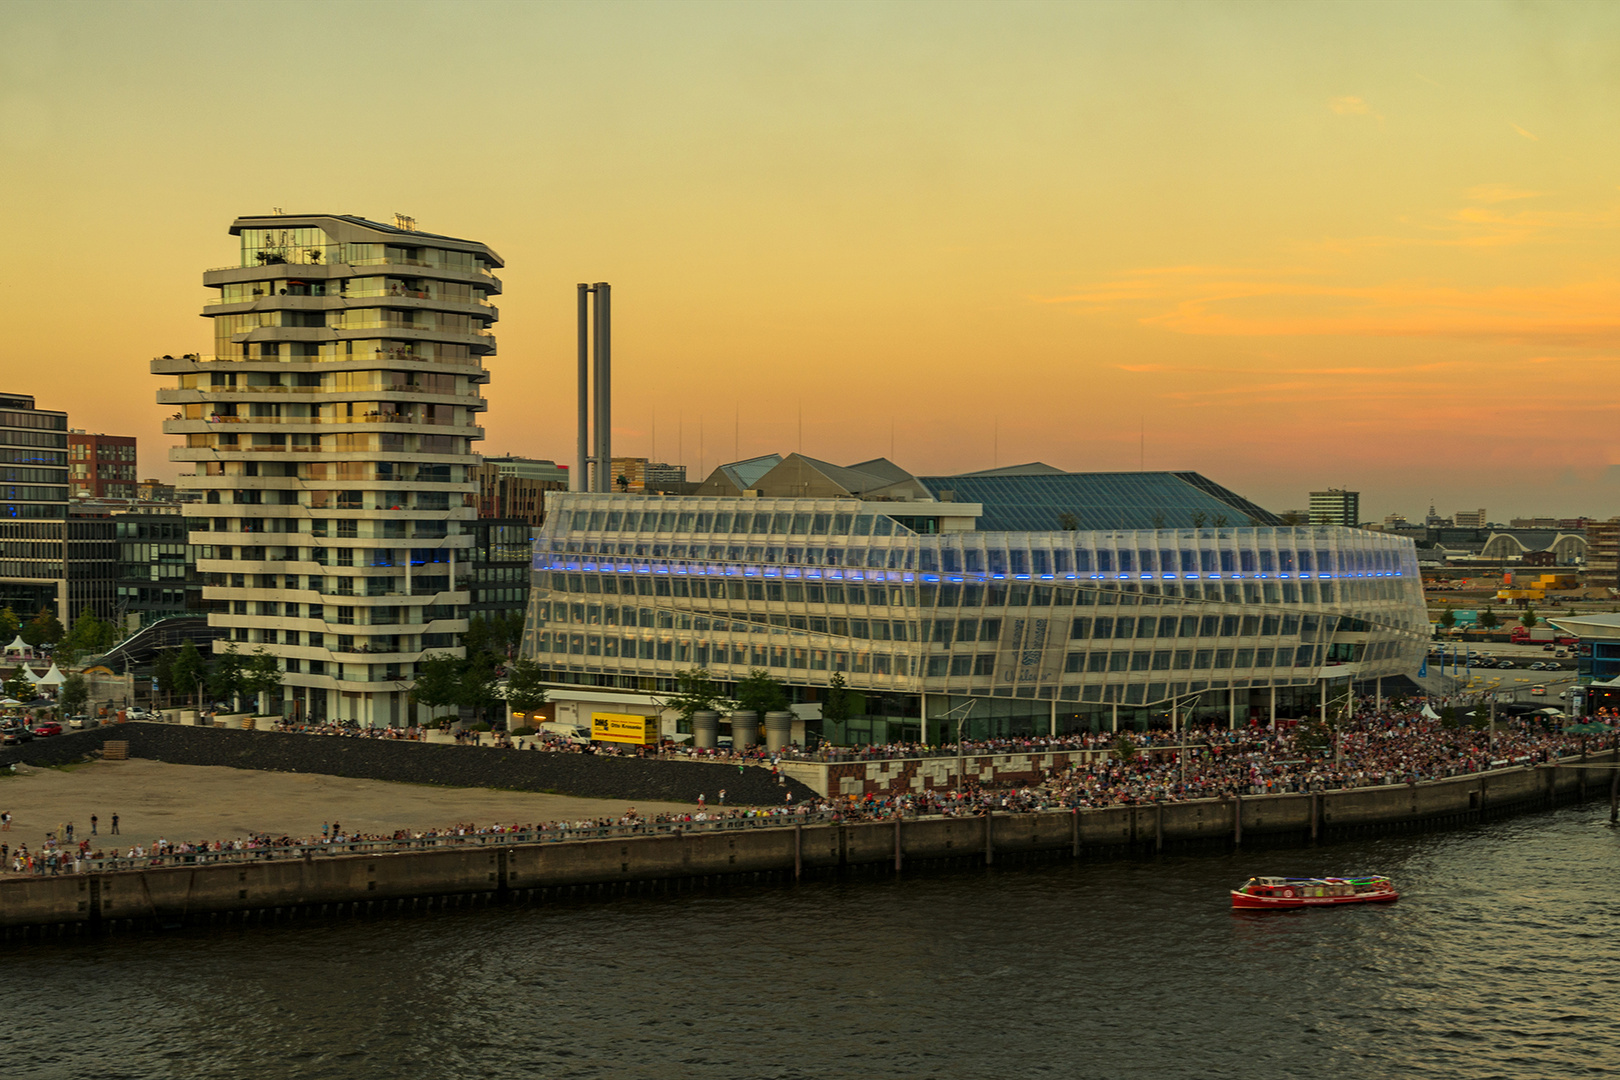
[595, 388]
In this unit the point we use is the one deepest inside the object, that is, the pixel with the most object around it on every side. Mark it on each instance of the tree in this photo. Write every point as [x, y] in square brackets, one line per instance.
[89, 637]
[1292, 518]
[495, 634]
[1488, 620]
[1069, 521]
[74, 695]
[437, 682]
[225, 681]
[9, 624]
[1448, 619]
[189, 671]
[1529, 619]
[476, 686]
[163, 673]
[1199, 518]
[760, 693]
[836, 707]
[261, 677]
[43, 629]
[1125, 747]
[18, 687]
[1220, 521]
[697, 693]
[524, 690]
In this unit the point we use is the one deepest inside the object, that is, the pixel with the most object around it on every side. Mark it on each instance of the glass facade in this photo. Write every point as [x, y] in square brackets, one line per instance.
[33, 508]
[631, 590]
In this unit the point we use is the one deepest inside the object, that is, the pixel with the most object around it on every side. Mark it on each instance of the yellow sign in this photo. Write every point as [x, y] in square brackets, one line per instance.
[624, 728]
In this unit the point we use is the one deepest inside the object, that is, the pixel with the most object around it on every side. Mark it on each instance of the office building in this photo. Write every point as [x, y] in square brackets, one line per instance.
[330, 433]
[102, 466]
[501, 556]
[1603, 553]
[1469, 519]
[1015, 601]
[33, 507]
[155, 491]
[661, 475]
[639, 475]
[92, 562]
[1336, 507]
[515, 487]
[156, 568]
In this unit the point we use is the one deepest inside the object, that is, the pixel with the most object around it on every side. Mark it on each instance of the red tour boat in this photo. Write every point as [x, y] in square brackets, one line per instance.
[1298, 892]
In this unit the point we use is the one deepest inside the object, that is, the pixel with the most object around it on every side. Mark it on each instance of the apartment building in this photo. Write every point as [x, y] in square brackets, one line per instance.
[330, 435]
[102, 466]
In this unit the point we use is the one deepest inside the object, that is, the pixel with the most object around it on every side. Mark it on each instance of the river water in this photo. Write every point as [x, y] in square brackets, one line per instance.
[1500, 960]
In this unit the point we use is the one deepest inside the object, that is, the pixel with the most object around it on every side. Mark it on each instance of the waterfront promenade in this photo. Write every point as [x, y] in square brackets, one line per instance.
[608, 859]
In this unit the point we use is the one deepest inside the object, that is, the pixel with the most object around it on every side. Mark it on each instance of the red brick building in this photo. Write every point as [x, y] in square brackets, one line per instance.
[101, 466]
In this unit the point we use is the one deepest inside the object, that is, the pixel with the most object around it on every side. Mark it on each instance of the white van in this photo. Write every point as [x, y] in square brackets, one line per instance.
[569, 732]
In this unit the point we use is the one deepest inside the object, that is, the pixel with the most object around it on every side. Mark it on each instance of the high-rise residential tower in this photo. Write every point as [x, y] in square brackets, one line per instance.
[331, 433]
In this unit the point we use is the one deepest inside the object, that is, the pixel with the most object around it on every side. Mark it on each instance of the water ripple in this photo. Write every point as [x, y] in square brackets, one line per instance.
[1497, 962]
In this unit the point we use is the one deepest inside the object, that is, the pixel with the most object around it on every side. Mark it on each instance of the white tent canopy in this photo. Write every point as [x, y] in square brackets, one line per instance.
[18, 645]
[53, 677]
[1429, 713]
[28, 673]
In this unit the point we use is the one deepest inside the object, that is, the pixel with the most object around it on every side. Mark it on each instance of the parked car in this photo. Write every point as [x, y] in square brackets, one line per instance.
[47, 729]
[1550, 666]
[1538, 666]
[11, 736]
[136, 713]
[16, 731]
[1504, 663]
[80, 721]
[1538, 691]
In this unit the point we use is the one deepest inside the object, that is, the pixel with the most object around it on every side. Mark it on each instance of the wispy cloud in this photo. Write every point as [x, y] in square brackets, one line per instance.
[1495, 193]
[1264, 305]
[1348, 106]
[1526, 134]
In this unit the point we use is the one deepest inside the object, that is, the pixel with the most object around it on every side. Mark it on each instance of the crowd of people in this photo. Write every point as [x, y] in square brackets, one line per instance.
[1394, 745]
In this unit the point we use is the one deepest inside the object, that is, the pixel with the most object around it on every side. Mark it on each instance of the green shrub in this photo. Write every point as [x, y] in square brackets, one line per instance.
[523, 731]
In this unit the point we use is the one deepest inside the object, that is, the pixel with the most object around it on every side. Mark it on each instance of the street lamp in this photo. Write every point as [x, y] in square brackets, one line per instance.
[967, 708]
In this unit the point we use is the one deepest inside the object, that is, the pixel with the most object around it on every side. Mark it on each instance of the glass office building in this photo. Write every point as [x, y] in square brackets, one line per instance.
[33, 508]
[1214, 609]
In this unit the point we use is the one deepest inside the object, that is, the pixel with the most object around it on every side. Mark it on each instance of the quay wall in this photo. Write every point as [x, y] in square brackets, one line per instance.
[511, 872]
[596, 776]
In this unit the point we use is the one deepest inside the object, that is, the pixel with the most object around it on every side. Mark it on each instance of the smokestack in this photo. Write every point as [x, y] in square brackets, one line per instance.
[604, 386]
[595, 391]
[581, 480]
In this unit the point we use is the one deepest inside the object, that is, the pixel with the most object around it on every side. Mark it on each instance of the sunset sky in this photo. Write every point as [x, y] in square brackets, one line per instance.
[1289, 246]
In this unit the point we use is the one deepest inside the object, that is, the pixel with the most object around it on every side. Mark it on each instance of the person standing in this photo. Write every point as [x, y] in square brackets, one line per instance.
[5, 821]
[93, 822]
[115, 825]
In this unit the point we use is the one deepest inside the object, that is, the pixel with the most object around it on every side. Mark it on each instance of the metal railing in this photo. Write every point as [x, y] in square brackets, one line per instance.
[563, 834]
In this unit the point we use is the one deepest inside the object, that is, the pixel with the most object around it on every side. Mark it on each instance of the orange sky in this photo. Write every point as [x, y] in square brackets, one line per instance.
[1288, 246]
